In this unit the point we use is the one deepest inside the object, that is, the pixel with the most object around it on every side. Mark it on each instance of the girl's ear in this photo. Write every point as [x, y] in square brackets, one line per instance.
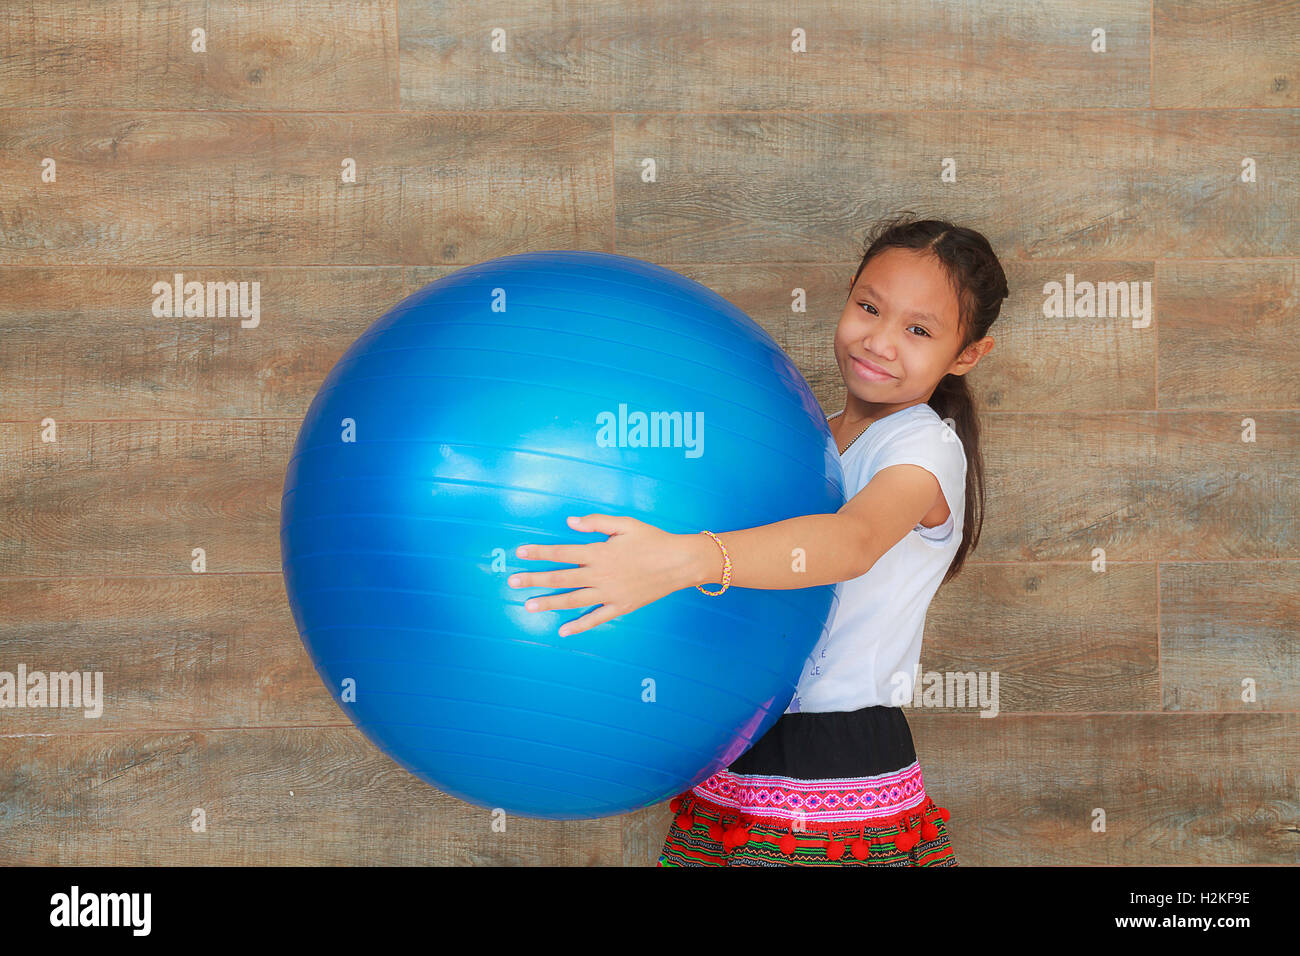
[971, 355]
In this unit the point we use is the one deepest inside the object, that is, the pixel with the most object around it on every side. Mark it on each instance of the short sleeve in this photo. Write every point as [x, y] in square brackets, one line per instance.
[935, 447]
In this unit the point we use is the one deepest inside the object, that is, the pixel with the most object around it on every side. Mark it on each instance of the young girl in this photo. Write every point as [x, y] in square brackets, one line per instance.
[836, 780]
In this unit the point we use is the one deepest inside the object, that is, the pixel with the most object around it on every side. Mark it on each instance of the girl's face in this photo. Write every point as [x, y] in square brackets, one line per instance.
[898, 335]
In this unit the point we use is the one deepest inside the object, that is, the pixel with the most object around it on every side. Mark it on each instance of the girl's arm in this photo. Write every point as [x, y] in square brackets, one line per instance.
[640, 563]
[811, 550]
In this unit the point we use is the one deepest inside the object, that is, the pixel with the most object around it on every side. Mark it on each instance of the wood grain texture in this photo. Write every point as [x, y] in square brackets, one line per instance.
[1045, 184]
[1217, 789]
[1209, 54]
[175, 653]
[137, 497]
[138, 54]
[1229, 334]
[682, 56]
[272, 796]
[1143, 486]
[265, 189]
[83, 344]
[1223, 624]
[1119, 688]
[1060, 637]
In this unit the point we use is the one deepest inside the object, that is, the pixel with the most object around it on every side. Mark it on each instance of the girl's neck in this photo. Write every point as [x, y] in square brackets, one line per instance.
[858, 413]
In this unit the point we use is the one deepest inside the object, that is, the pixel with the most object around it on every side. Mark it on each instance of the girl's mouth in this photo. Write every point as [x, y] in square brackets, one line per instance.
[870, 372]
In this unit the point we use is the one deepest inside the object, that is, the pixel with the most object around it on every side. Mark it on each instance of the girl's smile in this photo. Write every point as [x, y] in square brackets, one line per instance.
[870, 370]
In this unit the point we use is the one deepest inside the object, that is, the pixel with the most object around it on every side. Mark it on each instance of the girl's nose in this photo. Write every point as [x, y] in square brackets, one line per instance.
[881, 345]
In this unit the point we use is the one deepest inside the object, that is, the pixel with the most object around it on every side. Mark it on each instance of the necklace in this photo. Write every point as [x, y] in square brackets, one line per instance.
[855, 437]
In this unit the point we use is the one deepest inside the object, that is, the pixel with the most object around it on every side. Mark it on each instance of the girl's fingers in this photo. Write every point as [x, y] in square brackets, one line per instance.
[583, 597]
[566, 578]
[605, 524]
[562, 553]
[587, 621]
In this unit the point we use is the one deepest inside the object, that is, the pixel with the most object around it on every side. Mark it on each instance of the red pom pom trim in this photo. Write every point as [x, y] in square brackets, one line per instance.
[732, 828]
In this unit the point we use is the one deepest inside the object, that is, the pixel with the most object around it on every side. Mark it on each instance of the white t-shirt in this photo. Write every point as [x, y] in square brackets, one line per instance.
[878, 625]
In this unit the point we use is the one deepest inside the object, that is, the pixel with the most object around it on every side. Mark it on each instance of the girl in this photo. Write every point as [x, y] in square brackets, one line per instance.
[836, 780]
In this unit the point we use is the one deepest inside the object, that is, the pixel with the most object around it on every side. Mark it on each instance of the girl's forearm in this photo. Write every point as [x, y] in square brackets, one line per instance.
[801, 552]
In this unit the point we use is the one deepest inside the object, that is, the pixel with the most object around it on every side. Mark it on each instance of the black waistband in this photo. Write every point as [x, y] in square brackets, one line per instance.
[814, 745]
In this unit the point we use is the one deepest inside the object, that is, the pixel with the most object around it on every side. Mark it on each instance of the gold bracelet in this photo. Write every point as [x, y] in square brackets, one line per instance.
[726, 566]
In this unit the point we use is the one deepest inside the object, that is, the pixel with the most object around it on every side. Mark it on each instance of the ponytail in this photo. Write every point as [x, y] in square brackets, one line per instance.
[953, 402]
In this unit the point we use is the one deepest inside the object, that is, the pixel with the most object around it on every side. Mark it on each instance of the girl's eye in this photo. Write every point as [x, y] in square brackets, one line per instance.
[874, 312]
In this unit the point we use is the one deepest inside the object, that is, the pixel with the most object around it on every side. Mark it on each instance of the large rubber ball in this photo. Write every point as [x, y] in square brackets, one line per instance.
[476, 416]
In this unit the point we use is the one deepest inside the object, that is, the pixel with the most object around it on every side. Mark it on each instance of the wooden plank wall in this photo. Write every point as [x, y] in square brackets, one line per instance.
[1120, 689]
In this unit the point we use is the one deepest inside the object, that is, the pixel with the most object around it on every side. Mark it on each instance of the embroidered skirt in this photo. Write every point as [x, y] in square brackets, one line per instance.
[840, 788]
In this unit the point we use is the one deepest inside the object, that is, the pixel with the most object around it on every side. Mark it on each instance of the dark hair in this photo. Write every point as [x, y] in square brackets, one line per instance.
[981, 285]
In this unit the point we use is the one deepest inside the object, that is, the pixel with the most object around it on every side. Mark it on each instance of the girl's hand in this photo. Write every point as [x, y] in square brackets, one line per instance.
[636, 565]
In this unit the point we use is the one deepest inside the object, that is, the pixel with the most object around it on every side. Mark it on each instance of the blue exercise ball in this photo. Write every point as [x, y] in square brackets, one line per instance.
[475, 416]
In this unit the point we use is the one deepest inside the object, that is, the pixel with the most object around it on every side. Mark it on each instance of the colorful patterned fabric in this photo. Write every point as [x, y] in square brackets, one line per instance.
[785, 799]
[840, 788]
[703, 834]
